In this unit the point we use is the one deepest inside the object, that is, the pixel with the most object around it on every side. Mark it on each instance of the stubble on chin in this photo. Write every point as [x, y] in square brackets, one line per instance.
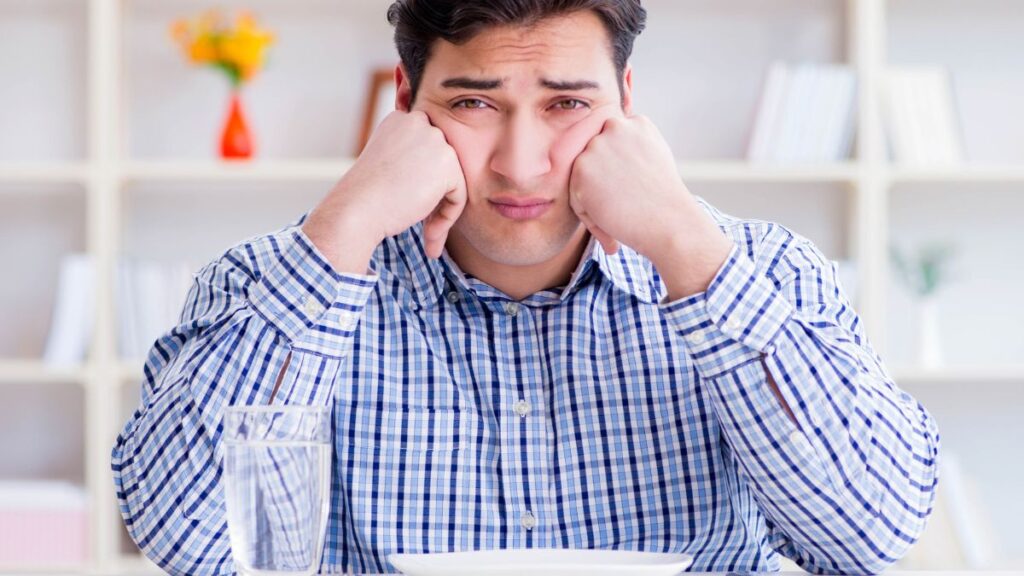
[518, 249]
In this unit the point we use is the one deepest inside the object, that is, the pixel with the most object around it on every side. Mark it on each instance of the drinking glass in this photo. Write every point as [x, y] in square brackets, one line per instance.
[277, 487]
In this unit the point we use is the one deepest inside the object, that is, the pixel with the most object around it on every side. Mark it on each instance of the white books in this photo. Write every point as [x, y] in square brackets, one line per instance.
[795, 115]
[149, 297]
[73, 313]
[921, 117]
[805, 115]
[770, 109]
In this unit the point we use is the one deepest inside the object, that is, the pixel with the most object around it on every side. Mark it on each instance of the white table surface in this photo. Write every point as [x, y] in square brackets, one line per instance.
[889, 573]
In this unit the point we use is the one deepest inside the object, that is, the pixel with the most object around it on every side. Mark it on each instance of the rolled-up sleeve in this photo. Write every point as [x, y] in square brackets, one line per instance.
[270, 311]
[846, 488]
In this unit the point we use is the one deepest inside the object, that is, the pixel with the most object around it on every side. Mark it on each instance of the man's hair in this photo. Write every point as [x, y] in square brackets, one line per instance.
[418, 23]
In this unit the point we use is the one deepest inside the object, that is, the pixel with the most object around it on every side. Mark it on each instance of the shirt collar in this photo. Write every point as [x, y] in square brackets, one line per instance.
[405, 257]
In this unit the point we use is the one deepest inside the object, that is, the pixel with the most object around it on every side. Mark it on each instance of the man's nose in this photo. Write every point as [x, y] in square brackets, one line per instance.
[523, 151]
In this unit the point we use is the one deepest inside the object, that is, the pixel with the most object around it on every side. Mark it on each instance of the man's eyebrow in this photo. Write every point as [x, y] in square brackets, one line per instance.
[569, 85]
[465, 83]
[471, 83]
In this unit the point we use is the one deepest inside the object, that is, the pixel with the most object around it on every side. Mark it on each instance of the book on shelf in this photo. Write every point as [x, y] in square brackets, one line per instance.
[73, 312]
[921, 117]
[43, 523]
[805, 114]
[148, 297]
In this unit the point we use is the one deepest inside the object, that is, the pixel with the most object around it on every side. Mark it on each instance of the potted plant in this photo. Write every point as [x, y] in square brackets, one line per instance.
[925, 273]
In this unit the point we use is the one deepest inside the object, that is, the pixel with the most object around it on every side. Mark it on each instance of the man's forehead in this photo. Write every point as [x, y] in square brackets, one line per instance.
[570, 52]
[559, 30]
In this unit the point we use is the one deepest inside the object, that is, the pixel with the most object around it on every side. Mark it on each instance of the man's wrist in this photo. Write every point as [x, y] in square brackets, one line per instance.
[345, 238]
[691, 258]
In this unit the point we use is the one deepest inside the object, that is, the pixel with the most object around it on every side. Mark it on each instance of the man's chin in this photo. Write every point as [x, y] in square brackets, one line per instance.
[526, 252]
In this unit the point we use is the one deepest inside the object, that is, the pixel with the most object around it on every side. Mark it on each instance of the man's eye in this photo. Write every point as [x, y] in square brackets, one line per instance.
[470, 104]
[571, 104]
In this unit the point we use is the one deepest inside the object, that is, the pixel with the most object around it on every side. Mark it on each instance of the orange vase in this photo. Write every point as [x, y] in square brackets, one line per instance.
[236, 140]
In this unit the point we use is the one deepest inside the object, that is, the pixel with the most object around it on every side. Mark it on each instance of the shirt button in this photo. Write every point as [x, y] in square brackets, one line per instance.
[522, 408]
[312, 306]
[453, 296]
[511, 308]
[347, 320]
[796, 437]
[529, 521]
[733, 325]
[696, 338]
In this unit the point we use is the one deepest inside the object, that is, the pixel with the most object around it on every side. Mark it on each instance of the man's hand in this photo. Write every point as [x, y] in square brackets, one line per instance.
[407, 173]
[625, 187]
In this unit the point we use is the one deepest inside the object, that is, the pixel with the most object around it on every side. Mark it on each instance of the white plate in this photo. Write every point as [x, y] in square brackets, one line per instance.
[541, 562]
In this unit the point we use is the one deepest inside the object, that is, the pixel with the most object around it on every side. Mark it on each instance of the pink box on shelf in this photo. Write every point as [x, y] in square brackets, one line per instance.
[43, 524]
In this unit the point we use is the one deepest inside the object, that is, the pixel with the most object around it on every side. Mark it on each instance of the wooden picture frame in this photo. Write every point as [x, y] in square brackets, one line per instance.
[380, 101]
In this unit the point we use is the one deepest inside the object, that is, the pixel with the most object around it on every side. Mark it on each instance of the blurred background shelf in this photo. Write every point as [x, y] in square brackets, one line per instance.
[960, 375]
[43, 173]
[965, 174]
[733, 171]
[324, 171]
[37, 372]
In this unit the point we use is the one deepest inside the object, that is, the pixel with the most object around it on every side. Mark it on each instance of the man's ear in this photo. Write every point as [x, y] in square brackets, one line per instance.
[627, 90]
[403, 94]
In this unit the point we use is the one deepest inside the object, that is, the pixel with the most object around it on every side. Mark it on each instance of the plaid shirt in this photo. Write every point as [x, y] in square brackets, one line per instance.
[595, 415]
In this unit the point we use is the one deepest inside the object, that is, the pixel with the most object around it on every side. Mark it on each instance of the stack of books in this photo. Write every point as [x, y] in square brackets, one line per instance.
[43, 523]
[921, 116]
[806, 114]
[148, 298]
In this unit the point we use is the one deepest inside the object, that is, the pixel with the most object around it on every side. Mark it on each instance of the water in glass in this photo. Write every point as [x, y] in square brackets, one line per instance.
[277, 483]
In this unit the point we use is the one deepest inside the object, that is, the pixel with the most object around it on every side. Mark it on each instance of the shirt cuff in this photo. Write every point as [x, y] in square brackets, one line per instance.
[734, 321]
[313, 306]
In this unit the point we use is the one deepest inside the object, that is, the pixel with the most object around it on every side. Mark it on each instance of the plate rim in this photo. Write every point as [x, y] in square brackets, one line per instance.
[680, 560]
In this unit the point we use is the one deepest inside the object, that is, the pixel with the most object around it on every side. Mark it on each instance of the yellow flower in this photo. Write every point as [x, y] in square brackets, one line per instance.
[239, 51]
[244, 46]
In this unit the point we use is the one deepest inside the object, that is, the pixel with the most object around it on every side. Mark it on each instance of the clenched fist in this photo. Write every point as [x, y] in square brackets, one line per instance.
[406, 174]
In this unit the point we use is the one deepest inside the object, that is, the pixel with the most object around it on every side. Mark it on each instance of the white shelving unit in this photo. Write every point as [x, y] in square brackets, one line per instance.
[120, 167]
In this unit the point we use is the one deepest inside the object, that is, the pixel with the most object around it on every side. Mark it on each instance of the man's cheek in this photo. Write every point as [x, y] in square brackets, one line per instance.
[471, 150]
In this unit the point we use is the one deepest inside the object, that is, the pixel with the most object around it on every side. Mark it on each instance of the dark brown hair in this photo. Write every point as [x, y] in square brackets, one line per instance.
[418, 23]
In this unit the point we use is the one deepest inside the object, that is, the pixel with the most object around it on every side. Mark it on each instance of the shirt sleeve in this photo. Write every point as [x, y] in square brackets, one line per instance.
[269, 305]
[849, 486]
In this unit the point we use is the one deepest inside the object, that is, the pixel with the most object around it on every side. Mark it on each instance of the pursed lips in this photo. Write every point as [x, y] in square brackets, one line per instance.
[521, 208]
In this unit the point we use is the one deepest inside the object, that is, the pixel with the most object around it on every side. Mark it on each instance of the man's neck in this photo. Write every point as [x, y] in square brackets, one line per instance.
[518, 282]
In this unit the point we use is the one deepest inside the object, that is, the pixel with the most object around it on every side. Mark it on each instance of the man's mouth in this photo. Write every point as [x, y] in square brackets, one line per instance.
[521, 208]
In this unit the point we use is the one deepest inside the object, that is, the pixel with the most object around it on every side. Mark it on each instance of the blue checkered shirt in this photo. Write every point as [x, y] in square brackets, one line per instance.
[593, 415]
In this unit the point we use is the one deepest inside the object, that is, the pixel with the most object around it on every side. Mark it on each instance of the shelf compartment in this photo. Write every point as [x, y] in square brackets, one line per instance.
[43, 173]
[325, 170]
[962, 173]
[43, 63]
[959, 375]
[50, 421]
[38, 372]
[42, 224]
[742, 171]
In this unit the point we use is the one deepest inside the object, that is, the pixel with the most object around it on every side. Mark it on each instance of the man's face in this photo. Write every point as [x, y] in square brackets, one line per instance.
[504, 100]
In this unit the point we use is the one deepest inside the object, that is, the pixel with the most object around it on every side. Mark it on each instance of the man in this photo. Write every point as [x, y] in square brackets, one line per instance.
[531, 334]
